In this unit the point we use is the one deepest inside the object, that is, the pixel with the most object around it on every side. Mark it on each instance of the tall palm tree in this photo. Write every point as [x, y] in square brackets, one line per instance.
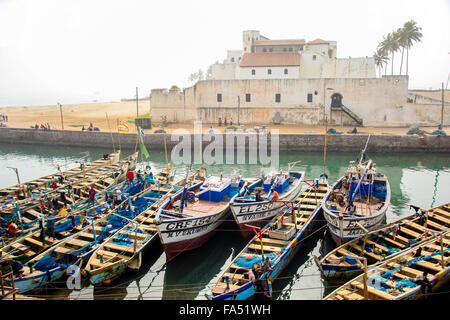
[390, 44]
[413, 34]
[381, 59]
[402, 38]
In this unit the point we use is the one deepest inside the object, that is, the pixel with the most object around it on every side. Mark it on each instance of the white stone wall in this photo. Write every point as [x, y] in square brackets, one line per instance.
[311, 65]
[378, 101]
[223, 71]
[349, 68]
[262, 73]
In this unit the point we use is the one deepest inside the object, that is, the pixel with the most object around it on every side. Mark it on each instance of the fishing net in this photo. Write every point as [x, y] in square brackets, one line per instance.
[394, 288]
[47, 262]
[247, 261]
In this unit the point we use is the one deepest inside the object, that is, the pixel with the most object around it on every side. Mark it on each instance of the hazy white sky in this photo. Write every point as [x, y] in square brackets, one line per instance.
[75, 51]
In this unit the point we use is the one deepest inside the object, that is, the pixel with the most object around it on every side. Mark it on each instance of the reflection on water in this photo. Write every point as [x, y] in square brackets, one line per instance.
[420, 179]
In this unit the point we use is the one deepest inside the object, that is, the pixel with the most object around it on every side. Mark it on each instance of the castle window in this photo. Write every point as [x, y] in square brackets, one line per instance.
[277, 97]
[290, 49]
[247, 97]
[284, 49]
[219, 97]
[269, 71]
[314, 57]
[232, 59]
[270, 49]
[253, 72]
[310, 96]
[285, 71]
[264, 50]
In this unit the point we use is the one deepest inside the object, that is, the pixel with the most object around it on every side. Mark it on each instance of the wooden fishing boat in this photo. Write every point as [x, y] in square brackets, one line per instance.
[277, 242]
[124, 250]
[30, 244]
[411, 275]
[43, 185]
[357, 202]
[51, 264]
[189, 218]
[27, 213]
[384, 243]
[256, 204]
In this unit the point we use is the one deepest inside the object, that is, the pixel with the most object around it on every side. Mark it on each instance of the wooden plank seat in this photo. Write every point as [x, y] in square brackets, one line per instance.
[23, 249]
[372, 291]
[274, 241]
[372, 255]
[118, 248]
[440, 219]
[266, 248]
[410, 232]
[77, 242]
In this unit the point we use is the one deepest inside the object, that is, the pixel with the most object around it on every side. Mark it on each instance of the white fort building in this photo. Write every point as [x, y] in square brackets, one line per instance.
[295, 81]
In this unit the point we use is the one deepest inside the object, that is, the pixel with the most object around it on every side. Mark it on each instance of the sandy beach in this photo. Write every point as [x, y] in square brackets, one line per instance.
[75, 116]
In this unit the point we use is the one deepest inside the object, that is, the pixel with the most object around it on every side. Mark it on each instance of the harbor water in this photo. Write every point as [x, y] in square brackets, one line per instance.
[419, 179]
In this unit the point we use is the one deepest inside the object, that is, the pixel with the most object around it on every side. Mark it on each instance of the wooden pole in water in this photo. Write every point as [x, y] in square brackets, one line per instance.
[366, 291]
[442, 253]
[60, 111]
[442, 110]
[325, 146]
[118, 134]
[109, 127]
[165, 149]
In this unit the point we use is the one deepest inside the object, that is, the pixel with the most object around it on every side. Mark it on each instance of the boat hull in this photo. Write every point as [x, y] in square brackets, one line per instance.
[344, 228]
[258, 214]
[247, 291]
[109, 272]
[33, 282]
[182, 235]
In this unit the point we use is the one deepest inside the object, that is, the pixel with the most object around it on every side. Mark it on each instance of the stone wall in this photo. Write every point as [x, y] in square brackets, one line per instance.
[372, 99]
[291, 142]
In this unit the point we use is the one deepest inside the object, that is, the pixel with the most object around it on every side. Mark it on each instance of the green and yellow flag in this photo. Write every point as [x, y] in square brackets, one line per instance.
[141, 142]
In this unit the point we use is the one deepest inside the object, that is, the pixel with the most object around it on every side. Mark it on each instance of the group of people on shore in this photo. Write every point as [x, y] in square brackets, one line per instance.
[45, 126]
[4, 117]
[225, 123]
[90, 128]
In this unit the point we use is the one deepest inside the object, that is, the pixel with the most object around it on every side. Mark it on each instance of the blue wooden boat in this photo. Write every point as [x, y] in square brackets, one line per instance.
[277, 242]
[256, 205]
[411, 275]
[42, 185]
[26, 214]
[30, 244]
[383, 243]
[124, 250]
[75, 250]
[358, 201]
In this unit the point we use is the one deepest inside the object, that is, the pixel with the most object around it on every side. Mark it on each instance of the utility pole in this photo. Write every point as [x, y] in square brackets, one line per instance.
[442, 110]
[60, 111]
[239, 106]
[137, 105]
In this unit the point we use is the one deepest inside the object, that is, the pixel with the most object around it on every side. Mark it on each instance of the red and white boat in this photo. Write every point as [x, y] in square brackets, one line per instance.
[189, 218]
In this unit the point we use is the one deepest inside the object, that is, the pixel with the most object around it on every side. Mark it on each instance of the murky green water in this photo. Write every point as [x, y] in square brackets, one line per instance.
[420, 179]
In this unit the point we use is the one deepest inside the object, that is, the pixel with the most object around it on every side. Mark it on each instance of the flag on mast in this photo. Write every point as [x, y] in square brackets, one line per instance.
[142, 147]
[122, 127]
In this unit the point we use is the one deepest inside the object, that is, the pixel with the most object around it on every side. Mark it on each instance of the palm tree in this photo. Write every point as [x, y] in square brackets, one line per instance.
[412, 34]
[402, 38]
[390, 44]
[381, 59]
